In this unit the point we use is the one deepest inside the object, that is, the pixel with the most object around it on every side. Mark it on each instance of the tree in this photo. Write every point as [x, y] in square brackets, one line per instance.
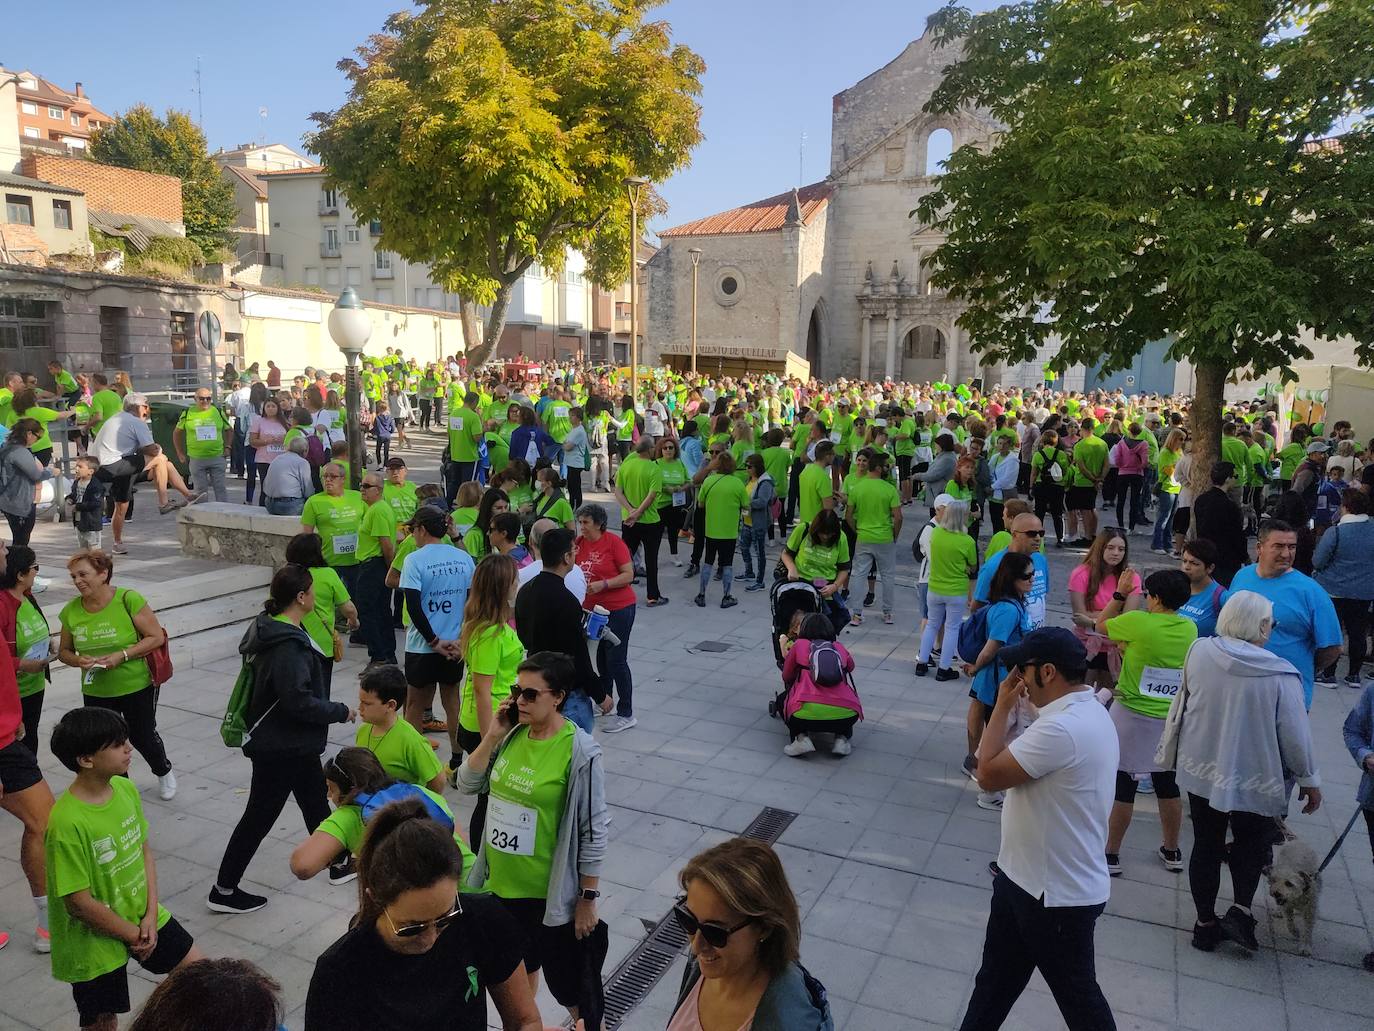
[174, 146]
[487, 135]
[1170, 169]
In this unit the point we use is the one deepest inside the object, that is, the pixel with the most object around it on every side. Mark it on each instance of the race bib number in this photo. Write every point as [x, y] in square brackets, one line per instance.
[679, 498]
[923, 454]
[836, 437]
[207, 433]
[88, 675]
[39, 650]
[275, 449]
[510, 827]
[531, 452]
[560, 412]
[455, 422]
[346, 544]
[1163, 684]
[1035, 612]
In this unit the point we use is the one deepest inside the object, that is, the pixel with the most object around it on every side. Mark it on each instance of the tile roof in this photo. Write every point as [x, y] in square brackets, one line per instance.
[762, 216]
[308, 170]
[25, 183]
[252, 180]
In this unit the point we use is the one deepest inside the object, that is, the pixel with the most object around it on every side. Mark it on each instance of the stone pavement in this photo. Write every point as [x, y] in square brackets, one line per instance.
[888, 856]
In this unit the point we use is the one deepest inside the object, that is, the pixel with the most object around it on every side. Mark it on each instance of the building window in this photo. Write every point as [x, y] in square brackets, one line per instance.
[374, 228]
[62, 214]
[331, 237]
[939, 146]
[28, 107]
[312, 276]
[25, 333]
[74, 143]
[28, 84]
[352, 235]
[384, 295]
[31, 132]
[183, 357]
[331, 276]
[55, 112]
[114, 334]
[76, 118]
[382, 260]
[354, 276]
[231, 349]
[331, 200]
[729, 286]
[18, 209]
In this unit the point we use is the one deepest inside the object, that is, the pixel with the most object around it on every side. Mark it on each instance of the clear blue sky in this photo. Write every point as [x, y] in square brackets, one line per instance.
[773, 67]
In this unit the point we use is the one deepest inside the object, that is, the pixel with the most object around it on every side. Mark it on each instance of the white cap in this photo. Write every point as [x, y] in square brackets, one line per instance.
[943, 500]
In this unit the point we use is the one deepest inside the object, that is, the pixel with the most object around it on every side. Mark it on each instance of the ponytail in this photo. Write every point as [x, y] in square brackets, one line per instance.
[403, 850]
[289, 582]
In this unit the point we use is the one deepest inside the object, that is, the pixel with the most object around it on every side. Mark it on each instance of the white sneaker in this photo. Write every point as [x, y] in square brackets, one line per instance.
[841, 746]
[990, 800]
[42, 940]
[41, 584]
[620, 723]
[119, 549]
[167, 786]
[800, 745]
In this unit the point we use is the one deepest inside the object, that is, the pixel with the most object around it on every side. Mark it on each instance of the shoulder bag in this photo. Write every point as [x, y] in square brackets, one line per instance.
[160, 658]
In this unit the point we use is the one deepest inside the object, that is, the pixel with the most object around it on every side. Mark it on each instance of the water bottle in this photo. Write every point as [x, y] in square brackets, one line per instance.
[596, 622]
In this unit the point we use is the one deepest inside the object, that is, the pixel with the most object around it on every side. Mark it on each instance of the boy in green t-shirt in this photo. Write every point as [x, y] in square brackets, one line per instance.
[402, 750]
[102, 881]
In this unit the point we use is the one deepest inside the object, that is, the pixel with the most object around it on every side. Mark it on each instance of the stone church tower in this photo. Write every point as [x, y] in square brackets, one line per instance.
[829, 272]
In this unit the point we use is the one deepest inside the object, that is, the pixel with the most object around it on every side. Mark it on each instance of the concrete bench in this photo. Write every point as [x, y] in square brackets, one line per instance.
[244, 534]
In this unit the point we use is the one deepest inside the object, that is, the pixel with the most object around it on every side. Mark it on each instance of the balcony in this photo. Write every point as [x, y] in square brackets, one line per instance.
[383, 273]
[329, 207]
[329, 250]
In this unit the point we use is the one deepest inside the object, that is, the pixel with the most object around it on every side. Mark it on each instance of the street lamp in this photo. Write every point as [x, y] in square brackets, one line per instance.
[350, 326]
[695, 252]
[634, 185]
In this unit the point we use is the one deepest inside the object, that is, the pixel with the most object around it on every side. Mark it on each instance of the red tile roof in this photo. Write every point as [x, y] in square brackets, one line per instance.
[252, 181]
[762, 216]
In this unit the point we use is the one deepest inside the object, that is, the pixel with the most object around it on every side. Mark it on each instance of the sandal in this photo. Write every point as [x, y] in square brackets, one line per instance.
[856, 619]
[654, 603]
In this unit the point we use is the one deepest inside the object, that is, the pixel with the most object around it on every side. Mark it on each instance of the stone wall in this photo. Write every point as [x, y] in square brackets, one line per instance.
[236, 533]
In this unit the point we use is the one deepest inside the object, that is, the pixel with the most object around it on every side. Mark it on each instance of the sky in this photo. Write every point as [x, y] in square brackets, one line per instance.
[772, 68]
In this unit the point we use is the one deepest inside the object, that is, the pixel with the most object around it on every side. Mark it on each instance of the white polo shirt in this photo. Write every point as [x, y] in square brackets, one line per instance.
[1054, 828]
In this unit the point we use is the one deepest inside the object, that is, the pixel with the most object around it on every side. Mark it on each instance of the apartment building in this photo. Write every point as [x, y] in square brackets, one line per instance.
[50, 114]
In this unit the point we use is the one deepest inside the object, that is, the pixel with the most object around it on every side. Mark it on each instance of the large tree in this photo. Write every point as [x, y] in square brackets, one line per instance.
[1200, 171]
[487, 135]
[174, 145]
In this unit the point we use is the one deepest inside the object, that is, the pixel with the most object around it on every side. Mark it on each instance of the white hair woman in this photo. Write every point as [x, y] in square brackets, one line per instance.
[953, 558]
[1237, 723]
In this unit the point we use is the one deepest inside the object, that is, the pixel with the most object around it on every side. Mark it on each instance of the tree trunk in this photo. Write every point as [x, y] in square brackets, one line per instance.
[480, 354]
[472, 326]
[1205, 421]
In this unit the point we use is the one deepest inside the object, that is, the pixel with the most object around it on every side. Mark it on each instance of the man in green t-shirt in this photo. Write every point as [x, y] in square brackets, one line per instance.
[637, 486]
[875, 515]
[202, 437]
[815, 488]
[1086, 476]
[465, 432]
[376, 548]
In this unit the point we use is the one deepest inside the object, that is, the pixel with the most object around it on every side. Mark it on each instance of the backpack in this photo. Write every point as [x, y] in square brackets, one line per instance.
[827, 667]
[233, 728]
[973, 632]
[916, 552]
[371, 804]
[1051, 471]
[315, 453]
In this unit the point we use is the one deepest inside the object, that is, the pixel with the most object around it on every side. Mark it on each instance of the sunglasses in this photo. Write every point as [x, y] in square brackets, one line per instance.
[713, 935]
[438, 923]
[529, 695]
[202, 397]
[1030, 533]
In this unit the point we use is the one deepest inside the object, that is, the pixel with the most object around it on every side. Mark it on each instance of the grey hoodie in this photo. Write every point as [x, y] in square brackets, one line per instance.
[1237, 723]
[19, 471]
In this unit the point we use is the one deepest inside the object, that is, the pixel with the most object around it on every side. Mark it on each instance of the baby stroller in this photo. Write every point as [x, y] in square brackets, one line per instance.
[786, 599]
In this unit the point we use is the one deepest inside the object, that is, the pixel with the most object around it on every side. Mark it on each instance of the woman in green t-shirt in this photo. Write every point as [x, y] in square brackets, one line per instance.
[489, 646]
[550, 502]
[724, 498]
[1167, 493]
[475, 541]
[674, 495]
[26, 630]
[25, 406]
[818, 552]
[108, 633]
[331, 599]
[953, 558]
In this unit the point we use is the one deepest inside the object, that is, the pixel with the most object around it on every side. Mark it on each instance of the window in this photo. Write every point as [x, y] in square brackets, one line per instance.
[939, 146]
[114, 332]
[382, 260]
[183, 357]
[25, 333]
[55, 112]
[331, 276]
[18, 209]
[374, 228]
[352, 235]
[28, 107]
[31, 132]
[419, 297]
[28, 84]
[62, 214]
[728, 286]
[384, 295]
[74, 143]
[312, 276]
[353, 276]
[331, 199]
[76, 118]
[331, 238]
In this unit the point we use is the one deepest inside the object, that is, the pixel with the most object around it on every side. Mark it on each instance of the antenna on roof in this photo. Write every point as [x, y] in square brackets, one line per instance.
[200, 98]
[801, 163]
[262, 137]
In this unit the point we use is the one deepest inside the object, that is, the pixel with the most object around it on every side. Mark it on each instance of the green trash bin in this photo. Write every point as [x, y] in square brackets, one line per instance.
[163, 416]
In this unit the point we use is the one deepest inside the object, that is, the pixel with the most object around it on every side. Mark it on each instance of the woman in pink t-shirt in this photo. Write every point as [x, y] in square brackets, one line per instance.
[265, 432]
[1104, 572]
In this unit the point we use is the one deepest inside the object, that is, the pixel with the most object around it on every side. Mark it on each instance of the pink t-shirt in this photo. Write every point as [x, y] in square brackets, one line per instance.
[688, 1017]
[271, 431]
[1078, 581]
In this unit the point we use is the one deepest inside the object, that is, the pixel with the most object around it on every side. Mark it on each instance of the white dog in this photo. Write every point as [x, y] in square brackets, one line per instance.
[1294, 885]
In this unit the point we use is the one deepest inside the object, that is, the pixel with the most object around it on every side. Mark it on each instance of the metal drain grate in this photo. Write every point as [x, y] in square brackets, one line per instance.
[712, 646]
[632, 981]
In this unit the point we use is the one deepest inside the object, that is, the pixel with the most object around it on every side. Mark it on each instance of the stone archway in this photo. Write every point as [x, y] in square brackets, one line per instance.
[815, 338]
[924, 354]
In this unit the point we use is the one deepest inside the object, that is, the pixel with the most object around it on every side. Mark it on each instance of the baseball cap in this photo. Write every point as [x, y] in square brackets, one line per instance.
[1054, 644]
[943, 500]
[142, 399]
[1317, 447]
[396, 463]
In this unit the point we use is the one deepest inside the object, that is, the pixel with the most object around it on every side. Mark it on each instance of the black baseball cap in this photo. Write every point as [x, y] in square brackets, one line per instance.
[1054, 644]
[396, 463]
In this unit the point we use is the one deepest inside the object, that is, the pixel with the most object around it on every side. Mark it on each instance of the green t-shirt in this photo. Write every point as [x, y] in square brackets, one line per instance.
[464, 432]
[495, 652]
[345, 825]
[378, 524]
[638, 479]
[1255, 457]
[560, 511]
[998, 542]
[724, 497]
[557, 421]
[817, 561]
[43, 416]
[66, 382]
[904, 436]
[1234, 450]
[814, 486]
[1289, 459]
[464, 519]
[739, 451]
[205, 429]
[952, 555]
[402, 499]
[1092, 452]
[337, 521]
[1154, 645]
[777, 463]
[529, 787]
[104, 403]
[101, 633]
[31, 642]
[403, 751]
[330, 593]
[673, 476]
[871, 501]
[1167, 460]
[98, 849]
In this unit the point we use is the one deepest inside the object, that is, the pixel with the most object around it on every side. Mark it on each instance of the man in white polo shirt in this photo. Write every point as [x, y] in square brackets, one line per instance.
[1052, 881]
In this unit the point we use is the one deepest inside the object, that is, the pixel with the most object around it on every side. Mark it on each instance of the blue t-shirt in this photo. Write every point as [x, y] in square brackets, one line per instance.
[1007, 621]
[1304, 618]
[1035, 600]
[442, 574]
[1204, 607]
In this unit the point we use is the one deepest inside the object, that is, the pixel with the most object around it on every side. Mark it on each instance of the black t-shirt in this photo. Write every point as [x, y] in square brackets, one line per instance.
[361, 984]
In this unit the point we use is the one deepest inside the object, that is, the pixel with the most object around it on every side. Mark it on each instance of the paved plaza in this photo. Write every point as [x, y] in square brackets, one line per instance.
[888, 855]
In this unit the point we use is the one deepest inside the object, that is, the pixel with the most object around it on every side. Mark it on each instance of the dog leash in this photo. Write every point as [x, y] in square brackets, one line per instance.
[1341, 840]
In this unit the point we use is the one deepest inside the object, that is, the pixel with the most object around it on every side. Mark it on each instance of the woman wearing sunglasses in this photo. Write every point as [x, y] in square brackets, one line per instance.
[745, 932]
[544, 834]
[418, 954]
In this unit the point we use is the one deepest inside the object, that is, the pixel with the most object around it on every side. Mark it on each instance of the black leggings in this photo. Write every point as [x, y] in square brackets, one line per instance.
[574, 487]
[1165, 782]
[1129, 484]
[275, 778]
[672, 517]
[1369, 823]
[32, 708]
[722, 552]
[698, 533]
[21, 527]
[140, 713]
[645, 536]
[1354, 614]
[1247, 856]
[1050, 498]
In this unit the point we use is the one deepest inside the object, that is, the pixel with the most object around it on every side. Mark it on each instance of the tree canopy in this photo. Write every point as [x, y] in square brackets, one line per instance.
[1200, 171]
[174, 145]
[487, 135]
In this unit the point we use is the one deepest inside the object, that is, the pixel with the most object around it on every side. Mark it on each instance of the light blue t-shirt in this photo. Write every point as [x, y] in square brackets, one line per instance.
[1035, 600]
[1304, 618]
[442, 574]
[1006, 623]
[1204, 607]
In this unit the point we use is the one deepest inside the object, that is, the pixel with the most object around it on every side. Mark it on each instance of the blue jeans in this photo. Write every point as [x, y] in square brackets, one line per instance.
[752, 540]
[1164, 521]
[614, 661]
[578, 708]
[285, 506]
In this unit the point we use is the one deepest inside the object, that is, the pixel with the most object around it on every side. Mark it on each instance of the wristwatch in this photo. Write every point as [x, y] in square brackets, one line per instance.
[589, 894]
[1118, 596]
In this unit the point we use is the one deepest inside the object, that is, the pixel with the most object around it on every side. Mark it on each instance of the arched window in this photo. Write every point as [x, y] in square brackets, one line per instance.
[939, 146]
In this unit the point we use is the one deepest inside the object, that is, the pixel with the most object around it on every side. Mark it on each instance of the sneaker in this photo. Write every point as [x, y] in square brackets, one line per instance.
[1351, 679]
[452, 772]
[887, 618]
[172, 505]
[167, 786]
[922, 668]
[993, 868]
[677, 562]
[841, 746]
[119, 549]
[991, 800]
[236, 901]
[799, 745]
[4, 939]
[970, 768]
[945, 674]
[1329, 679]
[434, 726]
[41, 584]
[1172, 858]
[759, 585]
[699, 601]
[42, 940]
[1206, 937]
[692, 570]
[1239, 926]
[196, 499]
[748, 575]
[343, 873]
[620, 723]
[868, 599]
[1114, 864]
[729, 601]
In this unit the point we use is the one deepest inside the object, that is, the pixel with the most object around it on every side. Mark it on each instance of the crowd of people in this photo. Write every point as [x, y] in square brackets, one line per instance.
[517, 597]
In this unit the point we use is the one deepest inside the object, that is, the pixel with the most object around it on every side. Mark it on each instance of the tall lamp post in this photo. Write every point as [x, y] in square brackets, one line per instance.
[351, 327]
[634, 185]
[695, 252]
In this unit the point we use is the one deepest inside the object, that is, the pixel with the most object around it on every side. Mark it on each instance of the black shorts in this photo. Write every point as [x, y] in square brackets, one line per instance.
[424, 669]
[720, 552]
[1182, 517]
[109, 993]
[121, 475]
[18, 768]
[904, 466]
[1081, 499]
[468, 740]
[554, 949]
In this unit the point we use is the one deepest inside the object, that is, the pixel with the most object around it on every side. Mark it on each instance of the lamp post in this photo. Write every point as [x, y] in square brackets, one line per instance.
[695, 252]
[350, 327]
[634, 185]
